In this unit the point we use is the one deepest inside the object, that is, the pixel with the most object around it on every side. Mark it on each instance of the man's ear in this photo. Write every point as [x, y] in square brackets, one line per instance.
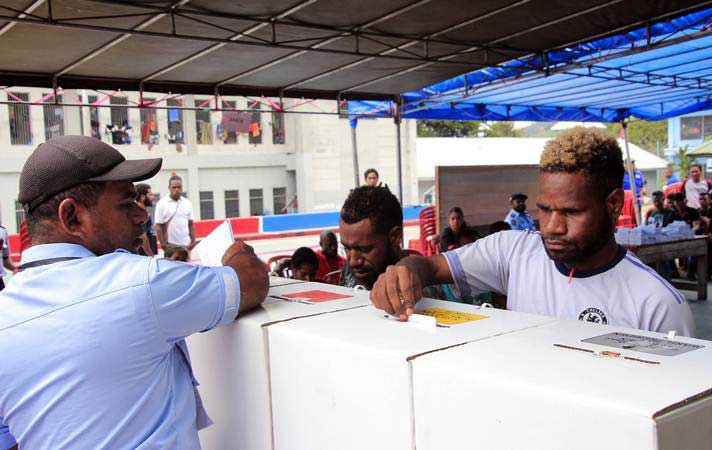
[614, 202]
[73, 218]
[395, 236]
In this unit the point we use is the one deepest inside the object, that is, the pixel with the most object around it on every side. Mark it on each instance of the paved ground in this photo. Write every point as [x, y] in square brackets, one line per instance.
[702, 311]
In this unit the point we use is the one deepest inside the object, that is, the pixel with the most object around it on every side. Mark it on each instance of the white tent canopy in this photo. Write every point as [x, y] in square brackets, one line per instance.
[433, 152]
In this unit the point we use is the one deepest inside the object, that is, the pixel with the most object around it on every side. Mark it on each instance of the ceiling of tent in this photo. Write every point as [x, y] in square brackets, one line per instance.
[365, 49]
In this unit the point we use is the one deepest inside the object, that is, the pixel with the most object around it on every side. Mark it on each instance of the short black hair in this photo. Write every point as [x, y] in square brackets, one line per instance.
[175, 250]
[304, 255]
[371, 170]
[657, 194]
[142, 189]
[173, 178]
[44, 214]
[498, 226]
[375, 203]
[698, 165]
[456, 209]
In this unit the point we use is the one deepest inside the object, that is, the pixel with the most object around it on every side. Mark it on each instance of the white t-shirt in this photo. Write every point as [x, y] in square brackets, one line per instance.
[626, 292]
[693, 191]
[179, 213]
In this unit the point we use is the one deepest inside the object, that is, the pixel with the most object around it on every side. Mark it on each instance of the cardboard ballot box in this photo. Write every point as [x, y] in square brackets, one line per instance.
[231, 362]
[343, 380]
[567, 385]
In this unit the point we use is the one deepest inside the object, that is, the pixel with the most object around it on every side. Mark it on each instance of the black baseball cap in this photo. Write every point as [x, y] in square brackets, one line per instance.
[67, 161]
[518, 195]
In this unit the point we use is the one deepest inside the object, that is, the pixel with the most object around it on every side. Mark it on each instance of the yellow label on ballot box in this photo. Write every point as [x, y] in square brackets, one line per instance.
[448, 317]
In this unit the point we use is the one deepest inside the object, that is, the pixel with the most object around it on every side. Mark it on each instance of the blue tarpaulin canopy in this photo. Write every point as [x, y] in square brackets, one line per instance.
[655, 72]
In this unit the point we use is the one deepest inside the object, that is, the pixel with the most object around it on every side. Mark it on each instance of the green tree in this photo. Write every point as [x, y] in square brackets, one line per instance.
[684, 160]
[502, 129]
[448, 128]
[644, 134]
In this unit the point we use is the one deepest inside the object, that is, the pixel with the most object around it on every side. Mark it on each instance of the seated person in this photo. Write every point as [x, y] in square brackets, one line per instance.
[304, 264]
[498, 226]
[371, 231]
[683, 212]
[450, 235]
[329, 259]
[518, 217]
[176, 253]
[659, 215]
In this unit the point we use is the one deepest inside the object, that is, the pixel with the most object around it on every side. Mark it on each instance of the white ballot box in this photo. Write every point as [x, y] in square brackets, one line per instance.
[231, 362]
[343, 381]
[567, 385]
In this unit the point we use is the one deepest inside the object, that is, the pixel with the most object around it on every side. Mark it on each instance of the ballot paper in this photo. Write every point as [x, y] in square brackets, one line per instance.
[212, 247]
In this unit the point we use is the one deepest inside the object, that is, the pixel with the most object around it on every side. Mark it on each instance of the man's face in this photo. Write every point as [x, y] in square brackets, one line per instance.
[367, 253]
[667, 172]
[658, 202]
[372, 179]
[304, 272]
[150, 198]
[679, 203]
[574, 224]
[704, 201]
[176, 188]
[116, 220]
[455, 221]
[519, 204]
[329, 246]
[695, 174]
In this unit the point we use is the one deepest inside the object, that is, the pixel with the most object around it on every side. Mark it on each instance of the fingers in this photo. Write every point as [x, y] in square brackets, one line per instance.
[396, 291]
[379, 296]
[393, 293]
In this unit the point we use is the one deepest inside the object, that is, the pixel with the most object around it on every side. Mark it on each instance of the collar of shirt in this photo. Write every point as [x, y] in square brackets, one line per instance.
[517, 213]
[49, 251]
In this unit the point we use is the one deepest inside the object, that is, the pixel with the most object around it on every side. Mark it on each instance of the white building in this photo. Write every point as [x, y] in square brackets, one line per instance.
[502, 152]
[225, 175]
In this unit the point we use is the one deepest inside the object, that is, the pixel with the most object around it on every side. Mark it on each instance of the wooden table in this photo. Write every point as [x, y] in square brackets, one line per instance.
[667, 251]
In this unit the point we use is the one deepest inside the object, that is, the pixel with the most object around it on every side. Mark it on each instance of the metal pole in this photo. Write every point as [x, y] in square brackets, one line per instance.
[399, 172]
[354, 147]
[631, 174]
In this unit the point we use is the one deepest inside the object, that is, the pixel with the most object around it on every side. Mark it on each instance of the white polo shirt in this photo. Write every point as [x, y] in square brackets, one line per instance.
[626, 292]
[177, 214]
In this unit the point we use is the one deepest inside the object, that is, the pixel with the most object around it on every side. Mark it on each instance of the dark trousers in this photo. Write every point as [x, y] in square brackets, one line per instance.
[2, 284]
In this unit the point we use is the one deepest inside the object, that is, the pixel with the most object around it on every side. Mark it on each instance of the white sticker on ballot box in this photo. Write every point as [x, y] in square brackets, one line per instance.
[643, 344]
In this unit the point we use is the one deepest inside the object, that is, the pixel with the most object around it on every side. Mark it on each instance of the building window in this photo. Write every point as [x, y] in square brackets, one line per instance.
[20, 215]
[175, 121]
[94, 122]
[707, 126]
[119, 126]
[20, 129]
[232, 203]
[53, 118]
[256, 202]
[229, 124]
[149, 124]
[278, 136]
[279, 196]
[207, 207]
[255, 127]
[203, 128]
[691, 128]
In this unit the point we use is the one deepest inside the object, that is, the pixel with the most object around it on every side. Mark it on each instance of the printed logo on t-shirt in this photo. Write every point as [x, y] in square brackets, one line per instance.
[593, 315]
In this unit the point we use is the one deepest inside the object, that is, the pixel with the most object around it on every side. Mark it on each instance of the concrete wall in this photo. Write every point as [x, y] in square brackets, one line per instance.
[315, 163]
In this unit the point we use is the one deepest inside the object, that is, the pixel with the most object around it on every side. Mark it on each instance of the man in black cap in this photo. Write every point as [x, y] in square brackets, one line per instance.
[91, 334]
[518, 218]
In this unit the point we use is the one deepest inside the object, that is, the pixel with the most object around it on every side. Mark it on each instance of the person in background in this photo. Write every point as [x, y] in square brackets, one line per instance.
[304, 264]
[705, 210]
[659, 216]
[693, 186]
[176, 253]
[681, 211]
[669, 176]
[371, 178]
[329, 259]
[450, 235]
[498, 226]
[518, 217]
[116, 372]
[639, 181]
[573, 269]
[145, 198]
[174, 217]
[5, 253]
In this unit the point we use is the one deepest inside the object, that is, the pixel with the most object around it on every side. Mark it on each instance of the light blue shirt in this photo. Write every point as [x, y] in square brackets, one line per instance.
[520, 221]
[93, 355]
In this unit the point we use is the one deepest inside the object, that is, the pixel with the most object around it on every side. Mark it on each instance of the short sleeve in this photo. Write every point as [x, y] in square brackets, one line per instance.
[161, 216]
[190, 211]
[188, 298]
[6, 439]
[483, 266]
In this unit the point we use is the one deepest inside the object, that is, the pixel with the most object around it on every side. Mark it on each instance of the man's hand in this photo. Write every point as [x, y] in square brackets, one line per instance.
[396, 291]
[252, 273]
